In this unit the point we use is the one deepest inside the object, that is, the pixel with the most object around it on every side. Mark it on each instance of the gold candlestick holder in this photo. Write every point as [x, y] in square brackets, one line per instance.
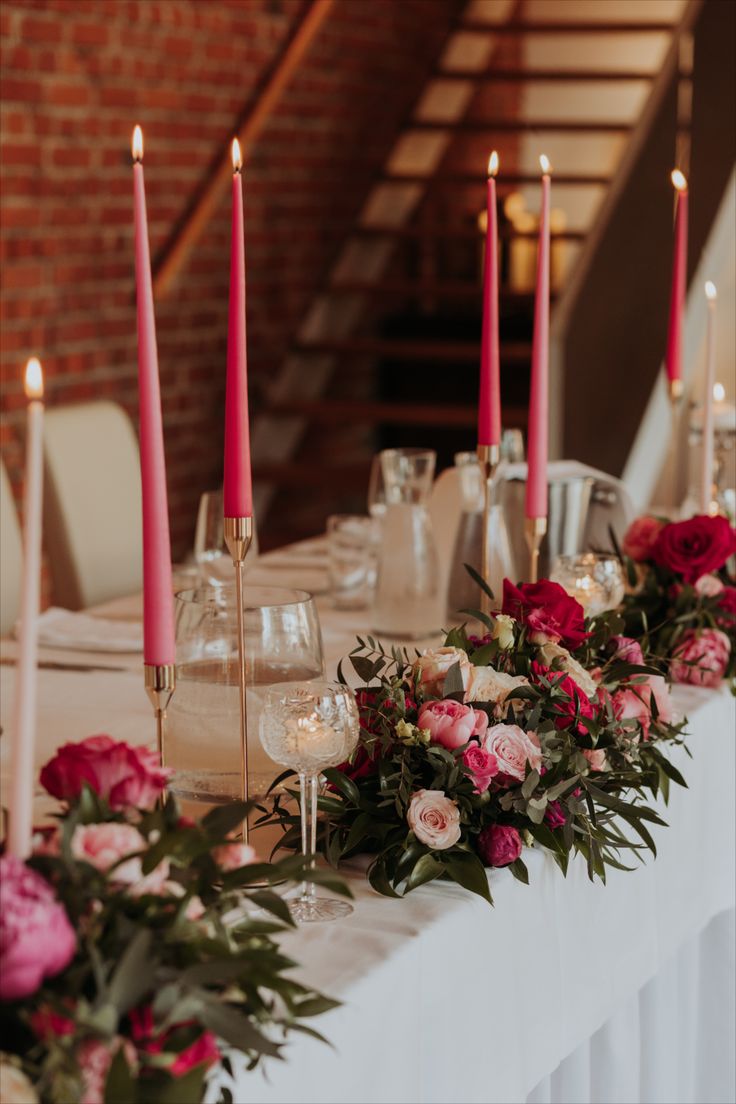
[160, 682]
[488, 458]
[534, 530]
[238, 533]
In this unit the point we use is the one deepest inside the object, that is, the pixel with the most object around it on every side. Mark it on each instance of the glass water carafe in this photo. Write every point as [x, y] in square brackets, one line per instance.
[407, 589]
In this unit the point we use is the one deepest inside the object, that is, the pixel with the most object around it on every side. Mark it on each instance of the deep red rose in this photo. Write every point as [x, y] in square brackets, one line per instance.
[148, 1041]
[571, 708]
[695, 547]
[547, 610]
[727, 603]
[125, 776]
[366, 763]
[499, 845]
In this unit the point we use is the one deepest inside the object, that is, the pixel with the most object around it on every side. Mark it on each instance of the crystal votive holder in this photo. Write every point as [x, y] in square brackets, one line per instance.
[595, 580]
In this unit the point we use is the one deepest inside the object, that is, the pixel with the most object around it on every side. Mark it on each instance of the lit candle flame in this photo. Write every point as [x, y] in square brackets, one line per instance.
[34, 379]
[719, 392]
[493, 164]
[136, 144]
[678, 180]
[237, 156]
[710, 290]
[545, 163]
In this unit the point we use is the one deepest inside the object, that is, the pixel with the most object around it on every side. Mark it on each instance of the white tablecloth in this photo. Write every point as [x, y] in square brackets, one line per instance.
[565, 991]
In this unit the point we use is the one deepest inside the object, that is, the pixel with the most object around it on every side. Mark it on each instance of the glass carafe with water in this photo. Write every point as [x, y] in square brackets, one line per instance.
[407, 590]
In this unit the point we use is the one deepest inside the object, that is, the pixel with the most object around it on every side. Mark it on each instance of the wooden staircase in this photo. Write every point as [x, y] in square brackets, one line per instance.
[390, 348]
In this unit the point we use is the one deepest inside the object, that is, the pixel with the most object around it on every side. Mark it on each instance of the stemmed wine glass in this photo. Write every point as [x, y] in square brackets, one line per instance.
[309, 727]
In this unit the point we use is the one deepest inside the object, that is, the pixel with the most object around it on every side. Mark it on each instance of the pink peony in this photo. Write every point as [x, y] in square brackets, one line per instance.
[431, 668]
[451, 724]
[513, 749]
[499, 845]
[482, 765]
[640, 537]
[36, 939]
[125, 776]
[701, 658]
[434, 819]
[548, 611]
[231, 856]
[104, 845]
[628, 649]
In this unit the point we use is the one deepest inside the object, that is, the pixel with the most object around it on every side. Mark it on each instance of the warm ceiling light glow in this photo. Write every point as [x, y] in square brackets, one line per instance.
[710, 290]
[136, 144]
[679, 181]
[719, 392]
[544, 162]
[34, 379]
[237, 156]
[493, 164]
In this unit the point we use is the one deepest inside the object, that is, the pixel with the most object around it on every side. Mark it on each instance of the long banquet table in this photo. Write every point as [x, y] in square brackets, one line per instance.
[566, 991]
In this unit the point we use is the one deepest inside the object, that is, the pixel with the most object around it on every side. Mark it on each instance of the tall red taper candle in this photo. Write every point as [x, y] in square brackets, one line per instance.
[538, 430]
[679, 287]
[158, 592]
[489, 403]
[237, 489]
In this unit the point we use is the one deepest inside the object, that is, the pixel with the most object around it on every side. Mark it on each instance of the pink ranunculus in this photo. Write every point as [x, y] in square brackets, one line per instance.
[104, 845]
[640, 537]
[628, 649]
[695, 547]
[450, 723]
[513, 749]
[708, 586]
[231, 856]
[482, 765]
[554, 815]
[36, 939]
[499, 845]
[434, 819]
[430, 669]
[125, 776]
[701, 658]
[550, 614]
[597, 758]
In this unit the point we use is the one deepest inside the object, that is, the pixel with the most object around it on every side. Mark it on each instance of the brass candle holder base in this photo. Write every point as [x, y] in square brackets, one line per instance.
[676, 390]
[238, 533]
[488, 458]
[534, 531]
[159, 680]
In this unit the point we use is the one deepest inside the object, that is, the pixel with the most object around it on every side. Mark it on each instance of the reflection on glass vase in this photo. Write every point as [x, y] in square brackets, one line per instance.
[407, 589]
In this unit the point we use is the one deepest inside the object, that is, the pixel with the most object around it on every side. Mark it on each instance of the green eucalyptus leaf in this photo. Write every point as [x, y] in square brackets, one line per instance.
[465, 868]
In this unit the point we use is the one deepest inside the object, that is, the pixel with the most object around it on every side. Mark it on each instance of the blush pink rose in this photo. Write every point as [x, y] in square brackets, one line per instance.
[597, 758]
[628, 649]
[431, 668]
[513, 749]
[640, 538]
[499, 845]
[434, 819]
[635, 702]
[36, 939]
[482, 765]
[708, 586]
[450, 723]
[701, 658]
[104, 845]
[125, 776]
[231, 856]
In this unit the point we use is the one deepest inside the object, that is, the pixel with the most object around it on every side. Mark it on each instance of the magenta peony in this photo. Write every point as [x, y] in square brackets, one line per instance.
[695, 547]
[36, 939]
[450, 723]
[640, 537]
[547, 610]
[125, 776]
[499, 845]
[701, 658]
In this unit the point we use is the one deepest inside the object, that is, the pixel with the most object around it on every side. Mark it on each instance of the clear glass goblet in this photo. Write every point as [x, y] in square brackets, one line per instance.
[595, 580]
[310, 727]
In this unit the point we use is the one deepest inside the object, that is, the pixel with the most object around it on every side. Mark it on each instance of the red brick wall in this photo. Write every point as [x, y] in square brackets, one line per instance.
[76, 76]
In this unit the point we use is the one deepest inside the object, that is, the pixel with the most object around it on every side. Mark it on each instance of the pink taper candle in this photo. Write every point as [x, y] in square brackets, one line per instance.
[679, 287]
[538, 430]
[489, 404]
[23, 735]
[706, 485]
[237, 490]
[158, 591]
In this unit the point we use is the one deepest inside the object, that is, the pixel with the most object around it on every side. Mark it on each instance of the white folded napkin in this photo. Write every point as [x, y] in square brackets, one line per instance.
[61, 628]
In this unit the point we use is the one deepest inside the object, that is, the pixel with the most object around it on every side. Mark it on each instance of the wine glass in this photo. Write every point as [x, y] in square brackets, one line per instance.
[376, 489]
[309, 727]
[210, 551]
[595, 580]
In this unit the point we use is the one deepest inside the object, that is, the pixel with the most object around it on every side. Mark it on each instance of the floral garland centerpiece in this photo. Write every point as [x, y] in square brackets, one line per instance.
[545, 732]
[130, 969]
[681, 599]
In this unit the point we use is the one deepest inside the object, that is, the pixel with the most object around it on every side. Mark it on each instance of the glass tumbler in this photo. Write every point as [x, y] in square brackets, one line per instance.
[597, 581]
[351, 549]
[309, 728]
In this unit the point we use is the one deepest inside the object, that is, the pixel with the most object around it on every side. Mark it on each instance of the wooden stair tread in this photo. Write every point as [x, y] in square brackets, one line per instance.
[542, 26]
[412, 349]
[450, 178]
[495, 75]
[431, 232]
[573, 126]
[338, 411]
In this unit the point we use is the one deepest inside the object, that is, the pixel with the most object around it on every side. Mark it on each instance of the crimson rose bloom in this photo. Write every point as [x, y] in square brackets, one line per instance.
[571, 708]
[125, 776]
[727, 603]
[547, 610]
[695, 547]
[499, 845]
[203, 1049]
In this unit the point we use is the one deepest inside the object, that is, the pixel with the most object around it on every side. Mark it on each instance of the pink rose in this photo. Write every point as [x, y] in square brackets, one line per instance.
[482, 765]
[513, 749]
[708, 586]
[36, 939]
[640, 537]
[125, 776]
[450, 723]
[701, 658]
[499, 845]
[628, 649]
[634, 701]
[431, 668]
[597, 758]
[104, 845]
[231, 856]
[434, 819]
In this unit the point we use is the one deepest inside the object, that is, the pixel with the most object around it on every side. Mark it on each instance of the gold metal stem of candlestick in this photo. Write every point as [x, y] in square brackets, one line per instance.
[160, 683]
[676, 390]
[488, 458]
[534, 530]
[238, 532]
